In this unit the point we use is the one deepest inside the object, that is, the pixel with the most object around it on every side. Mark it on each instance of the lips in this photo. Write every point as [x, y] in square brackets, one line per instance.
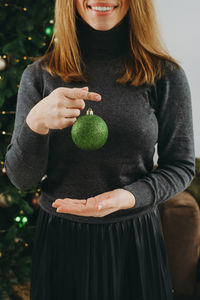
[102, 4]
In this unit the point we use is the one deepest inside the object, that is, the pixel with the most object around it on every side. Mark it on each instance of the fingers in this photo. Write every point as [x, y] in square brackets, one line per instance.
[76, 209]
[70, 112]
[59, 202]
[75, 93]
[97, 206]
[74, 103]
[83, 210]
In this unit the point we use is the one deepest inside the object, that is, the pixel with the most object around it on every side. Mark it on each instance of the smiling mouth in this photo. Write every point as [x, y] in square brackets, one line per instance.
[90, 7]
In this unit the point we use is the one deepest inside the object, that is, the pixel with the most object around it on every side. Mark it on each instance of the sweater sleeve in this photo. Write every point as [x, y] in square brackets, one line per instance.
[175, 145]
[26, 156]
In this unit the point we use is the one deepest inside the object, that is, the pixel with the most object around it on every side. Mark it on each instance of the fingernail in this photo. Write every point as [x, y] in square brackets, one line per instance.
[85, 87]
[98, 97]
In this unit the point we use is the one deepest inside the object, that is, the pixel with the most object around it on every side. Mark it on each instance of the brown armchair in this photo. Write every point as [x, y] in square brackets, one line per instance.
[180, 217]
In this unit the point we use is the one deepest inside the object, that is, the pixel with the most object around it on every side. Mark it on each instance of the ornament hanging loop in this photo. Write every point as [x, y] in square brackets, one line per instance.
[89, 111]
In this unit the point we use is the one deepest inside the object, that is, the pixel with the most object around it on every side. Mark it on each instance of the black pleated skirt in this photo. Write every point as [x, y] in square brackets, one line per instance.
[126, 260]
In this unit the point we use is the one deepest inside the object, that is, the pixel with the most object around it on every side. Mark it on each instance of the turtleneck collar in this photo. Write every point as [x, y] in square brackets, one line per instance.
[100, 44]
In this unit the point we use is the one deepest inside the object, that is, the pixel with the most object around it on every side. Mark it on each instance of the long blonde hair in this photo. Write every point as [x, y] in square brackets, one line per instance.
[144, 59]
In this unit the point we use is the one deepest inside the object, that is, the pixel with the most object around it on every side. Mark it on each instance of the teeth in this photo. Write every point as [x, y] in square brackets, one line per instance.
[100, 8]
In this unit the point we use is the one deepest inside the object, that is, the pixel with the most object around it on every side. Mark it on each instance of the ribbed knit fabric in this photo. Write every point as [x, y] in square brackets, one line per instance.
[138, 118]
[99, 44]
[125, 258]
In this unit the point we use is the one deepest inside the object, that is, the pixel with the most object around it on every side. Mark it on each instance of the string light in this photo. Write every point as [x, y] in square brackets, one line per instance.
[15, 6]
[24, 220]
[21, 220]
[3, 170]
[3, 112]
[6, 133]
[48, 32]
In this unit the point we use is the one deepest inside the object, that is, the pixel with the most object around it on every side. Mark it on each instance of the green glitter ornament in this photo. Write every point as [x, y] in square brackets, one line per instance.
[89, 132]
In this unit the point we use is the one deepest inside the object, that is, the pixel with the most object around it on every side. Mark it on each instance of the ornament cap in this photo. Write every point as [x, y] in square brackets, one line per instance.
[89, 111]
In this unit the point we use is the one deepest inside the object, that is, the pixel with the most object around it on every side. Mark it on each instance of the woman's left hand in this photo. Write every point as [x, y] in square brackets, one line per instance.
[97, 206]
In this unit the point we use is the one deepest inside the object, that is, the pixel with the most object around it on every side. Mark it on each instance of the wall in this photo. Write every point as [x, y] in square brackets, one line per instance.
[180, 27]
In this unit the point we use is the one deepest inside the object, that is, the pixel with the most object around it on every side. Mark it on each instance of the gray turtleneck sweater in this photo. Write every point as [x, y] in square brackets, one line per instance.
[138, 118]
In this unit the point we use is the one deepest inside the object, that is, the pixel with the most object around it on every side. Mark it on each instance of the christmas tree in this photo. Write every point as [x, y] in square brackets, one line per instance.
[26, 32]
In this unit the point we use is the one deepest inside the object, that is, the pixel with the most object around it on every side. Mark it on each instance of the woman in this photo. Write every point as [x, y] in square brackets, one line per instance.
[98, 233]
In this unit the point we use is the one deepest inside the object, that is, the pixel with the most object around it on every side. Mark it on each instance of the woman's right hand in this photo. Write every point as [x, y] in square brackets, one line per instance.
[59, 109]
